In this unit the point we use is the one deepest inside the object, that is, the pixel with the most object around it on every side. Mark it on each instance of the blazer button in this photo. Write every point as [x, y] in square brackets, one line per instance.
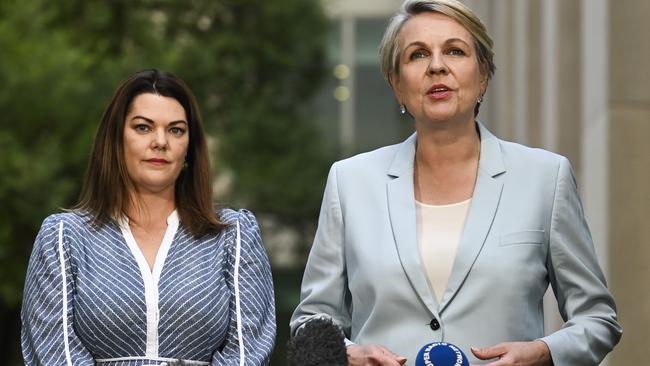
[435, 325]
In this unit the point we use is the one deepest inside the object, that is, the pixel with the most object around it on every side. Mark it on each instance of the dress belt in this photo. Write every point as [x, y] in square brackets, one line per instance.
[162, 361]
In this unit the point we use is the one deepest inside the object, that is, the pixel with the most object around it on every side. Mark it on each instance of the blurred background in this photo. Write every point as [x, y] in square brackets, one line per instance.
[287, 87]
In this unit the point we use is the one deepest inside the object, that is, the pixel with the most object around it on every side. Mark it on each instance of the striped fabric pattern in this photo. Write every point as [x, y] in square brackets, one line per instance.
[106, 310]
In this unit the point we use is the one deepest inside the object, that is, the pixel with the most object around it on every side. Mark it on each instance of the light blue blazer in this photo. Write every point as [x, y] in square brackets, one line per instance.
[525, 229]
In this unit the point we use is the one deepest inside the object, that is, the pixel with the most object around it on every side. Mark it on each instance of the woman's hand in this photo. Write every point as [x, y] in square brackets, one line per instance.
[372, 355]
[535, 353]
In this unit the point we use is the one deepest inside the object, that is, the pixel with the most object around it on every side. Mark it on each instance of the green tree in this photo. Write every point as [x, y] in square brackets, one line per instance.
[265, 64]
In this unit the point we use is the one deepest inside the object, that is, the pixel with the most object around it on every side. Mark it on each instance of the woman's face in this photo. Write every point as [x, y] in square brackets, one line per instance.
[439, 77]
[156, 139]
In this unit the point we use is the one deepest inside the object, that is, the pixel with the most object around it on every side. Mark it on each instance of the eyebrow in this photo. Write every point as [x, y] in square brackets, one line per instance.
[416, 43]
[452, 40]
[422, 44]
[149, 120]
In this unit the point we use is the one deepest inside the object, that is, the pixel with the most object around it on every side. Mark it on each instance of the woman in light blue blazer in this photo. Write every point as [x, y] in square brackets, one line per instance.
[454, 235]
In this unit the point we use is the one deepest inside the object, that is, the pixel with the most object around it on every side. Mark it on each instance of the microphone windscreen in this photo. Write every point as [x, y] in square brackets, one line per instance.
[441, 354]
[319, 343]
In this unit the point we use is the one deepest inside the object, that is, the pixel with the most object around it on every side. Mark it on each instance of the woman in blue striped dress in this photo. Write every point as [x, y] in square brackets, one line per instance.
[144, 271]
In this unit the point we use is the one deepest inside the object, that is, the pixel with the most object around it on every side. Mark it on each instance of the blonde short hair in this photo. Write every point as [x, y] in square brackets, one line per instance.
[389, 52]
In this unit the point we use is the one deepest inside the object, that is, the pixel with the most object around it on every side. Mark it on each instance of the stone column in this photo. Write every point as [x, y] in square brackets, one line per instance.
[629, 175]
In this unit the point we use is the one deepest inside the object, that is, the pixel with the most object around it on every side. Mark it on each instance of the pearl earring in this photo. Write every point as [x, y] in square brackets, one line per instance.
[402, 109]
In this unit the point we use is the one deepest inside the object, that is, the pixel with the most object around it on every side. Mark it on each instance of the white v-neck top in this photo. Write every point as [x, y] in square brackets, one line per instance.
[151, 278]
[439, 228]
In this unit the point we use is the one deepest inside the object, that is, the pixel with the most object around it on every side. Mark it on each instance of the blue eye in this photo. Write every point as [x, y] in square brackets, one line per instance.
[418, 54]
[456, 52]
[142, 127]
[177, 131]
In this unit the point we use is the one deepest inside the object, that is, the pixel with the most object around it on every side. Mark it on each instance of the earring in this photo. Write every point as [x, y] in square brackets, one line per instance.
[480, 99]
[402, 109]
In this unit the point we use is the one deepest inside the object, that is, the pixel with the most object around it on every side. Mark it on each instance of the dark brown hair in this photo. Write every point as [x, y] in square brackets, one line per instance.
[105, 193]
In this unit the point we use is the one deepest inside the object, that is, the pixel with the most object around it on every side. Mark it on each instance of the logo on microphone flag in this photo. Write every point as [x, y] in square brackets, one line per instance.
[441, 354]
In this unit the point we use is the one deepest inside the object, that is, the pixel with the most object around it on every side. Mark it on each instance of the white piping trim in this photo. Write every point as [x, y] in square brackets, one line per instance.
[237, 306]
[68, 359]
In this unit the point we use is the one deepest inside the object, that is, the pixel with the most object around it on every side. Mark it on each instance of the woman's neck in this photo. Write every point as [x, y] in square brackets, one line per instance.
[446, 164]
[447, 144]
[151, 209]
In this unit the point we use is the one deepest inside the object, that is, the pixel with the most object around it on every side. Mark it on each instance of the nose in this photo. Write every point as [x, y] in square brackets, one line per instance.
[159, 140]
[437, 65]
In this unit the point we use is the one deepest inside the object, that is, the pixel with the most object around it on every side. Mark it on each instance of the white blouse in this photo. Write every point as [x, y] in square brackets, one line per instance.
[439, 228]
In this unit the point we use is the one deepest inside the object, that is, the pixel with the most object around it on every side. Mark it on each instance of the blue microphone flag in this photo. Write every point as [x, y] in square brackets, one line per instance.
[441, 354]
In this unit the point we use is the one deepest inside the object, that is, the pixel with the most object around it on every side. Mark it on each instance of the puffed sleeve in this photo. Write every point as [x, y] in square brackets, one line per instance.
[591, 328]
[48, 336]
[251, 332]
[324, 291]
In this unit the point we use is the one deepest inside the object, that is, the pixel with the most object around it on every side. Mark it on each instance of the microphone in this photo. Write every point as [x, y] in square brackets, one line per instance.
[320, 342]
[441, 354]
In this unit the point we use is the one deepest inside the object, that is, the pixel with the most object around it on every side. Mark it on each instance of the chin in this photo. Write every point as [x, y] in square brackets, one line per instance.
[438, 119]
[443, 116]
[438, 113]
[155, 185]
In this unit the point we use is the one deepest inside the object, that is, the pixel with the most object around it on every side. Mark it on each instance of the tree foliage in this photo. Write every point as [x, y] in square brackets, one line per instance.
[254, 65]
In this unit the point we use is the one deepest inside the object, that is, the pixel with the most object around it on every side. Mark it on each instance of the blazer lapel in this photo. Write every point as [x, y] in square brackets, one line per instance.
[401, 207]
[485, 201]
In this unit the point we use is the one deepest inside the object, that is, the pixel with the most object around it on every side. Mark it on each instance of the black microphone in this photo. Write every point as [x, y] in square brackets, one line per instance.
[441, 354]
[319, 342]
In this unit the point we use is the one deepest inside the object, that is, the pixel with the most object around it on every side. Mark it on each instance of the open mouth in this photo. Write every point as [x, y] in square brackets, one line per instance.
[439, 91]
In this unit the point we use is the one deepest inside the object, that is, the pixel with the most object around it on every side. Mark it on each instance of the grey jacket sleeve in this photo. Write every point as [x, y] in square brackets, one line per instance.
[591, 328]
[324, 286]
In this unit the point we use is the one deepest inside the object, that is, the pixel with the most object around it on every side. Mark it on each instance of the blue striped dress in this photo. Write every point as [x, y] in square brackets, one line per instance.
[91, 299]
